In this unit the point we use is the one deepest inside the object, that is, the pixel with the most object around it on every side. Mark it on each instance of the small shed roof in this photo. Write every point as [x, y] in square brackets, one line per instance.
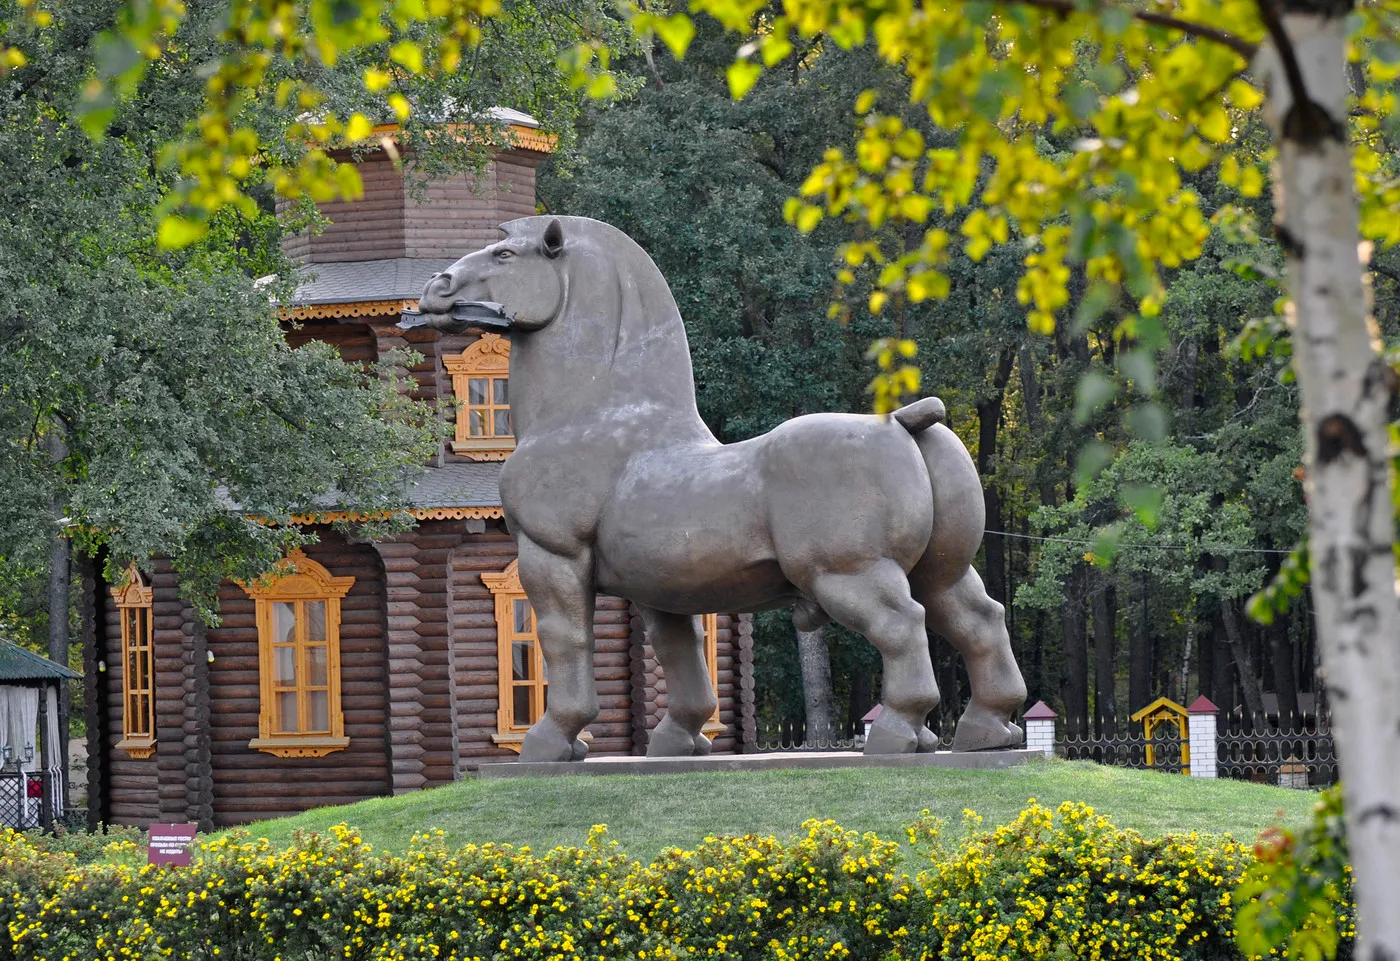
[18, 664]
[1162, 703]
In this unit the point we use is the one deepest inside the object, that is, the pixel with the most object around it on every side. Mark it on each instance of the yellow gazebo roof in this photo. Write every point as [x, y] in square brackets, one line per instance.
[1158, 705]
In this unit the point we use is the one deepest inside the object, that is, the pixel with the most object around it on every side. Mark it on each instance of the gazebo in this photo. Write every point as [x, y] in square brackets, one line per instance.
[31, 763]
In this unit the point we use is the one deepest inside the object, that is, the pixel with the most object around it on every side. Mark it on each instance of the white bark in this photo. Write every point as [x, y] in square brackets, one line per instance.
[815, 658]
[1345, 392]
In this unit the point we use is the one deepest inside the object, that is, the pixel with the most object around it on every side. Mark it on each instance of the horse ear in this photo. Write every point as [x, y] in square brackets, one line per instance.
[553, 239]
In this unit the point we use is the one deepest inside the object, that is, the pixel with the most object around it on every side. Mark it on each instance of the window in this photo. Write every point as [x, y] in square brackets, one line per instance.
[481, 382]
[298, 617]
[133, 599]
[524, 682]
[710, 623]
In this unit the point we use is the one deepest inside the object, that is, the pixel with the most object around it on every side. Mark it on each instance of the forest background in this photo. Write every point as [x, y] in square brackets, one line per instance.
[700, 181]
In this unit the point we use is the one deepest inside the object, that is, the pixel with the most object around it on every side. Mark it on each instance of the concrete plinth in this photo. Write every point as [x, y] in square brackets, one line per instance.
[793, 760]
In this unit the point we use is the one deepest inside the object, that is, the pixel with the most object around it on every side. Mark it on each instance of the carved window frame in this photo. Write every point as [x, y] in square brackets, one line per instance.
[487, 359]
[134, 601]
[709, 624]
[507, 591]
[298, 580]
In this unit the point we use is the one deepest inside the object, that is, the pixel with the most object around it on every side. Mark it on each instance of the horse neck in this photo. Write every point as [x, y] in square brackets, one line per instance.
[619, 354]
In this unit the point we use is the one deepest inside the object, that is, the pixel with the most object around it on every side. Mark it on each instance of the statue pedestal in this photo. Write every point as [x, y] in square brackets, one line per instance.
[787, 760]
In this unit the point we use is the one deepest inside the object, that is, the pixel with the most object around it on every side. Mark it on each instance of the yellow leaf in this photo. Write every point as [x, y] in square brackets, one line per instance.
[1215, 125]
[408, 55]
[358, 128]
[1244, 96]
[400, 105]
[878, 300]
[676, 32]
[742, 75]
[602, 86]
[808, 219]
[376, 79]
[865, 101]
[176, 232]
[1251, 182]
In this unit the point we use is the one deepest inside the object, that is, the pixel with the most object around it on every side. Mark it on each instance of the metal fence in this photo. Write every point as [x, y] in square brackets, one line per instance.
[779, 736]
[22, 800]
[1290, 752]
[1126, 747]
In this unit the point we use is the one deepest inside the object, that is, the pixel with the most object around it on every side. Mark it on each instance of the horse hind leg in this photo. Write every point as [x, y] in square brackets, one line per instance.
[975, 625]
[876, 603]
[678, 642]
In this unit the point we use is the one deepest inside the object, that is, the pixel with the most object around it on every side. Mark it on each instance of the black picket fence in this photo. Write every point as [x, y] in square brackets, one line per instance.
[22, 800]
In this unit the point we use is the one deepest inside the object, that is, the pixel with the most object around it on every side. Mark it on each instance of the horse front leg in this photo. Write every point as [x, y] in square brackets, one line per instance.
[562, 594]
[678, 642]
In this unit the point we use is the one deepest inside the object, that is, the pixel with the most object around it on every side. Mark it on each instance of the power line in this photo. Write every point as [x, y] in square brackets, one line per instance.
[1151, 547]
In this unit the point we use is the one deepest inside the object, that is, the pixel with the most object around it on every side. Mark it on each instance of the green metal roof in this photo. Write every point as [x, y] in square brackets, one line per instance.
[18, 664]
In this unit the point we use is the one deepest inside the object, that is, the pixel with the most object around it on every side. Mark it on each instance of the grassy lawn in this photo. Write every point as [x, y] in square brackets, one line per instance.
[649, 813]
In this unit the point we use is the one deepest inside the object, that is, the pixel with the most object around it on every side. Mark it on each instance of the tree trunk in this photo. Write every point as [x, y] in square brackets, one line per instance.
[1224, 692]
[815, 659]
[1346, 390]
[1244, 664]
[60, 575]
[988, 423]
[1186, 652]
[1076, 676]
[1285, 679]
[1105, 604]
[1140, 658]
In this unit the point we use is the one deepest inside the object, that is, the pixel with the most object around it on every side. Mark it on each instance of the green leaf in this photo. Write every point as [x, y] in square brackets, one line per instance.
[1093, 458]
[742, 75]
[1138, 367]
[1094, 391]
[1145, 502]
[1148, 422]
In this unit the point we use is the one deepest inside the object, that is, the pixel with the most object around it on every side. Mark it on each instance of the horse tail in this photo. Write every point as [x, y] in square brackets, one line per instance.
[921, 415]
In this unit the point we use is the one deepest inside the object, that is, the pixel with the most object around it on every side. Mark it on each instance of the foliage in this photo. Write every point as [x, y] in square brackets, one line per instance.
[1297, 893]
[1049, 885]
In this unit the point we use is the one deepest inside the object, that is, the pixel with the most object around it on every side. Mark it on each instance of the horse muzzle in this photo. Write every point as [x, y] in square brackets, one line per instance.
[464, 315]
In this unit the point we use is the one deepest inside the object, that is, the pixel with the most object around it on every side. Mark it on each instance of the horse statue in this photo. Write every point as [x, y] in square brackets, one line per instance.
[616, 485]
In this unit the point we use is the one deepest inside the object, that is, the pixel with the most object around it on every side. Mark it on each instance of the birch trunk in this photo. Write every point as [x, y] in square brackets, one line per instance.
[1346, 389]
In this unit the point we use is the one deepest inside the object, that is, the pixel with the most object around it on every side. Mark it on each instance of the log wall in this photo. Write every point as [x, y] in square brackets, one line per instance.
[249, 785]
[648, 684]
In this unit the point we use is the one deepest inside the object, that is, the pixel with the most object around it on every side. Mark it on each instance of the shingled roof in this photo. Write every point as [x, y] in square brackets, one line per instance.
[20, 665]
[457, 485]
[399, 278]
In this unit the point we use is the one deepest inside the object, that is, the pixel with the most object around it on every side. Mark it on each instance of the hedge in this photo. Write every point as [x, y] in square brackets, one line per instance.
[1049, 885]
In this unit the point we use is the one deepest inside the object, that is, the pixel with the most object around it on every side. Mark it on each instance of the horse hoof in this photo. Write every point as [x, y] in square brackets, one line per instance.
[670, 740]
[928, 741]
[980, 730]
[703, 745]
[580, 749]
[891, 736]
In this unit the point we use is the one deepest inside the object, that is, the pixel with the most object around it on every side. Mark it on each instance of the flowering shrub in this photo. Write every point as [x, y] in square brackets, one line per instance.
[1051, 885]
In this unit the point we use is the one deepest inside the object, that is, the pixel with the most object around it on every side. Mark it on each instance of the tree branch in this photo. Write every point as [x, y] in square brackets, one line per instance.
[1238, 44]
[1286, 53]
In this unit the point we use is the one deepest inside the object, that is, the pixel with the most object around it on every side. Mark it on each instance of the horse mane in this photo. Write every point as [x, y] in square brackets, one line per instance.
[649, 322]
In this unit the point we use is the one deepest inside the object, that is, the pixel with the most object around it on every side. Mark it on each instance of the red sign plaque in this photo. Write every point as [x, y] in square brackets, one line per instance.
[170, 844]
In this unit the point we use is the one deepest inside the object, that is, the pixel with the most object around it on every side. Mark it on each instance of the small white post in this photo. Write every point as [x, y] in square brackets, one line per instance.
[1201, 724]
[1040, 728]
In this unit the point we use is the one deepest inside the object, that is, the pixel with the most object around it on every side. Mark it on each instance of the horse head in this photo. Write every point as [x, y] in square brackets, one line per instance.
[518, 279]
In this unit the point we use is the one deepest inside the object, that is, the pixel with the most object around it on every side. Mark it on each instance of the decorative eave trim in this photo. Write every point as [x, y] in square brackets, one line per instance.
[358, 308]
[420, 513]
[523, 137]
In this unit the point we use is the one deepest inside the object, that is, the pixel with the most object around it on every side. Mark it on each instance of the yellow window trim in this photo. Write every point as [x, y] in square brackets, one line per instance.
[710, 624]
[298, 578]
[489, 359]
[505, 587]
[134, 602]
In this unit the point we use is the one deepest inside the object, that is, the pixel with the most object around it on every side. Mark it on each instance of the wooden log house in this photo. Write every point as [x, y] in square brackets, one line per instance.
[374, 668]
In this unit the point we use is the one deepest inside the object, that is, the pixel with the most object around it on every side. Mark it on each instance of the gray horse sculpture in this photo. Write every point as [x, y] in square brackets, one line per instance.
[616, 485]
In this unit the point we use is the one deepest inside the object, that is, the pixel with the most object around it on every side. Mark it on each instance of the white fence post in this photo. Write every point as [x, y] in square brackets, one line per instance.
[1201, 722]
[1040, 728]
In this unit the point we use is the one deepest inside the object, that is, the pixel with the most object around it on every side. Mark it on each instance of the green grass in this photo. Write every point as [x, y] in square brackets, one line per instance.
[650, 813]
